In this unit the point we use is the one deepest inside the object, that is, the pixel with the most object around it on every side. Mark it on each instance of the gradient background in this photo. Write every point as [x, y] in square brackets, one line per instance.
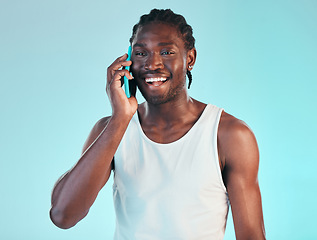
[256, 59]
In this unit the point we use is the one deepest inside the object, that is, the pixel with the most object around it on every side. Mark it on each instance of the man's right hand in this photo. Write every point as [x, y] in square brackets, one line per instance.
[121, 105]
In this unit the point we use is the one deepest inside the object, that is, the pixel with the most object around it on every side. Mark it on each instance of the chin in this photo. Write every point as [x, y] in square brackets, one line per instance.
[162, 99]
[157, 100]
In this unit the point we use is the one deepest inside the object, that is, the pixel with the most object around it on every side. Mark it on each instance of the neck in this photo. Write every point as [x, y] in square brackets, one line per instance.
[170, 113]
[168, 122]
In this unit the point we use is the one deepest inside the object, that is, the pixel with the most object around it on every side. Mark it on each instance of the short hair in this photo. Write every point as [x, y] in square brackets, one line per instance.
[167, 16]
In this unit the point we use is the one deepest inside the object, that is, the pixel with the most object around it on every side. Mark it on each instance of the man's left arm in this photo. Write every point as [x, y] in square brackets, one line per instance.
[239, 155]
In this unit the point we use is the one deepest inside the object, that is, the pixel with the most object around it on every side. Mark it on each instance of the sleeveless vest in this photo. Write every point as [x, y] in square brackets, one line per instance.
[170, 191]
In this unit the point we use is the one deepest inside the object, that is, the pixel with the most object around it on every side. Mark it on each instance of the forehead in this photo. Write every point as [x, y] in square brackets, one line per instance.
[158, 33]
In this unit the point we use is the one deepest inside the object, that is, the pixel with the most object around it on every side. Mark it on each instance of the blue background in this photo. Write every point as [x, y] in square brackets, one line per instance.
[256, 59]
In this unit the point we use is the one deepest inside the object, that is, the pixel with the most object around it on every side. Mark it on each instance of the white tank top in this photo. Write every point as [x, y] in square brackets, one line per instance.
[170, 191]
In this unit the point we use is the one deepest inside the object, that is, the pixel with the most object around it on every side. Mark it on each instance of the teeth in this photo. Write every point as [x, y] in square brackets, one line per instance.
[155, 79]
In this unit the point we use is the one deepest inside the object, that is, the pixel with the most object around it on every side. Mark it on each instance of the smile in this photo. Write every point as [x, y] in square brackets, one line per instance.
[151, 80]
[155, 81]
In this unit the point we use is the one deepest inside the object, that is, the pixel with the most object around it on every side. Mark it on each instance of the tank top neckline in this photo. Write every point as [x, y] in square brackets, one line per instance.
[181, 139]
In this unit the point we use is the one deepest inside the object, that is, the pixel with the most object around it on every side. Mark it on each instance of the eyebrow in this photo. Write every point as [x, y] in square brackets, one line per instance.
[166, 44]
[160, 44]
[139, 45]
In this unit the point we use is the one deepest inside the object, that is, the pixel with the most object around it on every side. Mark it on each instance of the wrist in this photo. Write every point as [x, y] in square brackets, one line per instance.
[121, 117]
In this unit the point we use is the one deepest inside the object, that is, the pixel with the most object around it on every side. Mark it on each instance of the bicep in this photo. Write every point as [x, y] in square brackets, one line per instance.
[93, 136]
[241, 179]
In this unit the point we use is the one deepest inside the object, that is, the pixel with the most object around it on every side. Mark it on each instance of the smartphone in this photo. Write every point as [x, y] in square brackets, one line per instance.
[126, 80]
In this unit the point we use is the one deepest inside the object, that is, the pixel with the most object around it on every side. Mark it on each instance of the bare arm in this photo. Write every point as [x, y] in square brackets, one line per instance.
[240, 157]
[75, 191]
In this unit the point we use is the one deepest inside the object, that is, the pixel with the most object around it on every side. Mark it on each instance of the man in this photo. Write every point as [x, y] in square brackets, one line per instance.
[176, 161]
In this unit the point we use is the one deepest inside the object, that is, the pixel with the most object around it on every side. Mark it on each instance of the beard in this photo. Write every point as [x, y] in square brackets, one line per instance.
[172, 94]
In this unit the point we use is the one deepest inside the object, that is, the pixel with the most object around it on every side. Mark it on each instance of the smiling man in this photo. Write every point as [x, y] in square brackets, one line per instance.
[177, 162]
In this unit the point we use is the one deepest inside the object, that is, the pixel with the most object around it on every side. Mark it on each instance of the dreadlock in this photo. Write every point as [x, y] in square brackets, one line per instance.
[167, 16]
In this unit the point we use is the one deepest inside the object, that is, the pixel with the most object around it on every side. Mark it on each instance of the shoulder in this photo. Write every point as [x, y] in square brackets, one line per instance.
[101, 123]
[231, 127]
[95, 131]
[237, 143]
[99, 126]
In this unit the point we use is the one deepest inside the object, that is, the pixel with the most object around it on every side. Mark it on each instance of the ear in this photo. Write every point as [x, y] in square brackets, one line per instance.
[191, 58]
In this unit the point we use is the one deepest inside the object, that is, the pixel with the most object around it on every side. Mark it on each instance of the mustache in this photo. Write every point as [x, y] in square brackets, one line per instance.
[154, 72]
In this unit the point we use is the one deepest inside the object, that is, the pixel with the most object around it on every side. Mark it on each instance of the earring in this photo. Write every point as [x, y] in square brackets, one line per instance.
[190, 67]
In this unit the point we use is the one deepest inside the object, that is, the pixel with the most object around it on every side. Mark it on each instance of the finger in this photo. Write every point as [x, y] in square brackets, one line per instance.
[115, 67]
[117, 80]
[118, 61]
[119, 74]
[122, 64]
[121, 58]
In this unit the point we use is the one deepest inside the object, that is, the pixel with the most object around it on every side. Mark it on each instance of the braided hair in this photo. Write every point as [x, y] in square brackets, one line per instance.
[167, 16]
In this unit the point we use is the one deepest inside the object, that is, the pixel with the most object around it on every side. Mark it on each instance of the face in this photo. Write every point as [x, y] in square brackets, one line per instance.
[159, 63]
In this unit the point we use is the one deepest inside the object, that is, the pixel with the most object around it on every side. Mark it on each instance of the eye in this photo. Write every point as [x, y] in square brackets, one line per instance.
[167, 53]
[139, 53]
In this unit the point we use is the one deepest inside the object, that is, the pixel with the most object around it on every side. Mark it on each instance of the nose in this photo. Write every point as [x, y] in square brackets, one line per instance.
[153, 62]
